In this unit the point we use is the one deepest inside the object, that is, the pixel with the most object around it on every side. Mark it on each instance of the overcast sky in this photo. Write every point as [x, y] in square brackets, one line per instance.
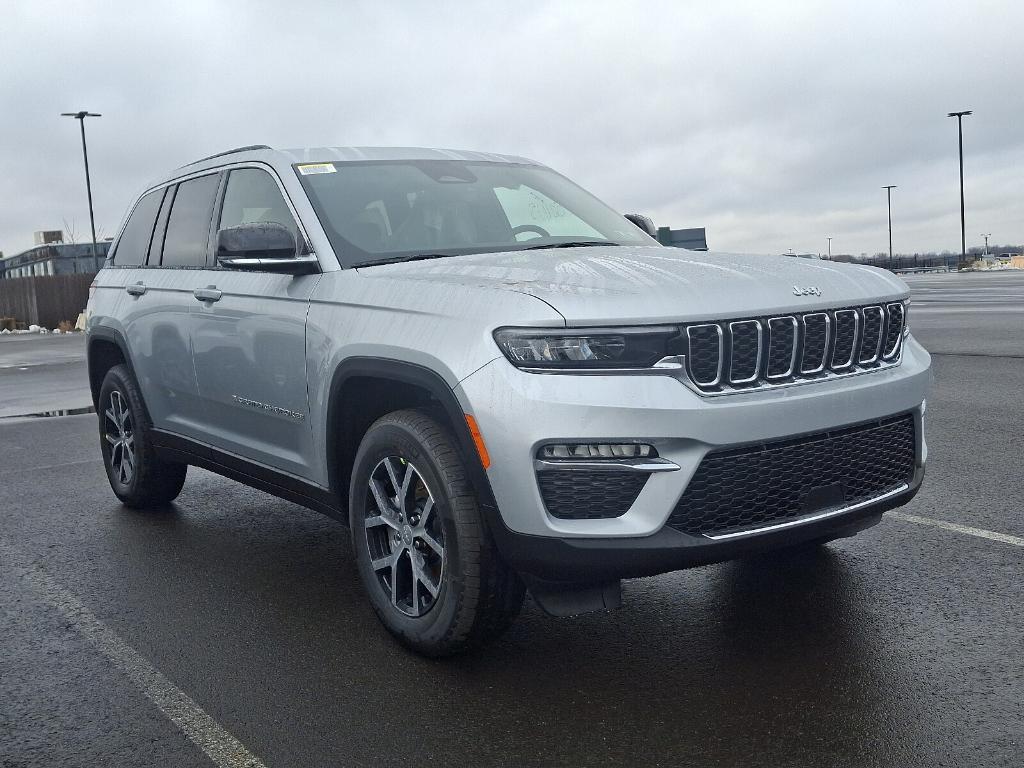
[774, 124]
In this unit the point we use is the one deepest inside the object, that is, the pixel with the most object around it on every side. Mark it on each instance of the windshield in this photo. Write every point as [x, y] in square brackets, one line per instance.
[376, 212]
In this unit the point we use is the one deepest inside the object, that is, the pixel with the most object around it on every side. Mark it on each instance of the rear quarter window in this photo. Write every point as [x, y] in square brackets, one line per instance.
[133, 245]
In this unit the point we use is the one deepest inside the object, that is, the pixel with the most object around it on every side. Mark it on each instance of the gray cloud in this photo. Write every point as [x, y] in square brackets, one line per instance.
[772, 124]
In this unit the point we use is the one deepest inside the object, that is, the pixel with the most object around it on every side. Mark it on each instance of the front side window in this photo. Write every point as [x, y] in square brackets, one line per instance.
[188, 228]
[253, 197]
[375, 212]
[133, 245]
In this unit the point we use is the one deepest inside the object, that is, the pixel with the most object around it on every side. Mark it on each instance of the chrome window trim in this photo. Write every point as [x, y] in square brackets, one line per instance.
[810, 518]
[828, 342]
[721, 354]
[223, 168]
[760, 349]
[881, 334]
[796, 345]
[895, 352]
[855, 347]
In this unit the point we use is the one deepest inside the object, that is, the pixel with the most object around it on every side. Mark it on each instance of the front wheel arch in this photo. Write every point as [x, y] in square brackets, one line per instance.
[413, 386]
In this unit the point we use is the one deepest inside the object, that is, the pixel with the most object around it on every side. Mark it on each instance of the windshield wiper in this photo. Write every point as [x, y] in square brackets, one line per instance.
[411, 257]
[570, 244]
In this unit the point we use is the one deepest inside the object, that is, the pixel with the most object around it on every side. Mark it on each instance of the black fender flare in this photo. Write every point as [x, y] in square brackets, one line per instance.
[432, 382]
[103, 333]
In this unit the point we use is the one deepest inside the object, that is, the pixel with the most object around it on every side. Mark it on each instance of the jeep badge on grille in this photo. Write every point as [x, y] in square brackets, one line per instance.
[806, 290]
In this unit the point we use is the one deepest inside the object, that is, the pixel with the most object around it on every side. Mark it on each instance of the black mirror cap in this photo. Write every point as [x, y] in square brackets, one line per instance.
[644, 222]
[261, 240]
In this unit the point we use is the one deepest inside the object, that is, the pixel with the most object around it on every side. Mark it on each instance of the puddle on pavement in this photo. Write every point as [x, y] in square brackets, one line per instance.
[52, 414]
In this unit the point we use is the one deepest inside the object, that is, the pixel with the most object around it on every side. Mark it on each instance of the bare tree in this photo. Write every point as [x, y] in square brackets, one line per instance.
[69, 231]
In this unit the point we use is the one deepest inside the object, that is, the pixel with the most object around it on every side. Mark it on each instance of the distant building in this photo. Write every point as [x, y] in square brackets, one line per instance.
[54, 259]
[694, 239]
[49, 237]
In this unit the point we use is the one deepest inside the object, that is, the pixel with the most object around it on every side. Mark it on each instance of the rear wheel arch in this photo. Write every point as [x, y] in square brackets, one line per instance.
[364, 389]
[106, 348]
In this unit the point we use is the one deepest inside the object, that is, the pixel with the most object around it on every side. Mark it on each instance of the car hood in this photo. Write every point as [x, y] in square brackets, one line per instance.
[601, 285]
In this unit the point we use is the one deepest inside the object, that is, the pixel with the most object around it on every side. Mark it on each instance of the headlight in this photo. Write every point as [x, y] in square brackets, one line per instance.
[906, 318]
[607, 348]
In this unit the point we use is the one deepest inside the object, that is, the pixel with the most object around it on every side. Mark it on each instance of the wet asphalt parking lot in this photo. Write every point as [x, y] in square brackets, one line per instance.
[230, 629]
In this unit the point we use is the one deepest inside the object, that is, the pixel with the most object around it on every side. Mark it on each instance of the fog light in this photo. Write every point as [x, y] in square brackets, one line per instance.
[597, 451]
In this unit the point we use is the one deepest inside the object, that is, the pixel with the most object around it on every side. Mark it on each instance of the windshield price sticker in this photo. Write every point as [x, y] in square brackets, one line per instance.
[311, 168]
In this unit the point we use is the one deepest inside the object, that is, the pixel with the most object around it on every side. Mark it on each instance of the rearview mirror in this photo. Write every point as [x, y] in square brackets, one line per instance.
[264, 246]
[644, 222]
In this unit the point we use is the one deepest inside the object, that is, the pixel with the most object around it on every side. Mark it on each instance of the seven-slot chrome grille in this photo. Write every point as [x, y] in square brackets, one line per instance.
[762, 352]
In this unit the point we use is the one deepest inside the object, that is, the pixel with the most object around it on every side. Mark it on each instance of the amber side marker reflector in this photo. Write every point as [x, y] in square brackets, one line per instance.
[478, 441]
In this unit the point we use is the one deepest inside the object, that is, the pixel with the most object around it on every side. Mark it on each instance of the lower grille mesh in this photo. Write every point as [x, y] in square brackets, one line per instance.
[774, 482]
[586, 495]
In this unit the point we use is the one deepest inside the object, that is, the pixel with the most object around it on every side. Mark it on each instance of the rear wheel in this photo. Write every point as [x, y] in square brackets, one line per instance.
[137, 477]
[428, 564]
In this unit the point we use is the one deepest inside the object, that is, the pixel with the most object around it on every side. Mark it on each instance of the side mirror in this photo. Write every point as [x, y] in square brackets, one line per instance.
[644, 222]
[262, 247]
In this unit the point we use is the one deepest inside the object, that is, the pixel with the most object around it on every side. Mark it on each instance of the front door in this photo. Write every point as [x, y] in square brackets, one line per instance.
[249, 341]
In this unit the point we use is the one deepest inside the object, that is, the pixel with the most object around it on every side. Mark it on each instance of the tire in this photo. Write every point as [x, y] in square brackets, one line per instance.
[428, 565]
[137, 477]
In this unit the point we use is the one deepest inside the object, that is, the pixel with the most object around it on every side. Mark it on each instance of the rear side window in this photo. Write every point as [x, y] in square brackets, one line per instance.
[188, 228]
[253, 197]
[133, 245]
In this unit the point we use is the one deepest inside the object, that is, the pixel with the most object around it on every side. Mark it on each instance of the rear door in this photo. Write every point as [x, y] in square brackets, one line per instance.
[249, 339]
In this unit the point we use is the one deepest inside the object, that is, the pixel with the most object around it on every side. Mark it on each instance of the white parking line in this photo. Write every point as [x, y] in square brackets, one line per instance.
[206, 733]
[1017, 541]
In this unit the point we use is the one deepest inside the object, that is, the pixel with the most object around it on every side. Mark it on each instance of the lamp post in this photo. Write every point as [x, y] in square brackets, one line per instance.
[888, 197]
[986, 242]
[960, 136]
[829, 248]
[80, 117]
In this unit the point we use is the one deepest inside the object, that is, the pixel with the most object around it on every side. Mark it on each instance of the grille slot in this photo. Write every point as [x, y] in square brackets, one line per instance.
[706, 354]
[745, 351]
[871, 335]
[784, 480]
[816, 338]
[893, 330]
[781, 347]
[844, 349]
[740, 355]
[589, 495]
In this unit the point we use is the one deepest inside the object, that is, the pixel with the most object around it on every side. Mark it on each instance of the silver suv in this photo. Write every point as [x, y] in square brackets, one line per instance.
[496, 381]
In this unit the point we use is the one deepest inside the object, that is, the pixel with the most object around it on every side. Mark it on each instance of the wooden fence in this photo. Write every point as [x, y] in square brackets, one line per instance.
[44, 301]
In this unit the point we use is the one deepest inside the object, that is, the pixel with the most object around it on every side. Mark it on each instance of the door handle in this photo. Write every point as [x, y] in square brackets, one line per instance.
[137, 289]
[209, 293]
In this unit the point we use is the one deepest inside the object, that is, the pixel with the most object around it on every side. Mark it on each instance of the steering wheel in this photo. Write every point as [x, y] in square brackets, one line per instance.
[523, 228]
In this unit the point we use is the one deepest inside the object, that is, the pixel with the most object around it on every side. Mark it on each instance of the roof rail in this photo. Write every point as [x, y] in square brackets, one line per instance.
[229, 152]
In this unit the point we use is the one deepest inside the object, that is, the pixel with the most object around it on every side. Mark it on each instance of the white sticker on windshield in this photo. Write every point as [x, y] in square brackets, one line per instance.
[311, 168]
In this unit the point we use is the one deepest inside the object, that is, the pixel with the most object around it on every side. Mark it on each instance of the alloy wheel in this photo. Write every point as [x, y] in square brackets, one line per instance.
[119, 434]
[404, 536]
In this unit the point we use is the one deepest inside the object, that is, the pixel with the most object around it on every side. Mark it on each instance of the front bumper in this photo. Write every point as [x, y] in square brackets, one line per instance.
[518, 412]
[600, 559]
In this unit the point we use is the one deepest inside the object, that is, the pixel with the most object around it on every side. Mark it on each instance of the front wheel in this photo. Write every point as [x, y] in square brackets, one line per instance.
[137, 477]
[428, 564]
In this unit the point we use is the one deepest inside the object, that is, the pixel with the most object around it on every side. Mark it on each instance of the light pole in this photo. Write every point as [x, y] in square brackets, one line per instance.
[80, 117]
[829, 248]
[960, 136]
[888, 197]
[986, 242]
